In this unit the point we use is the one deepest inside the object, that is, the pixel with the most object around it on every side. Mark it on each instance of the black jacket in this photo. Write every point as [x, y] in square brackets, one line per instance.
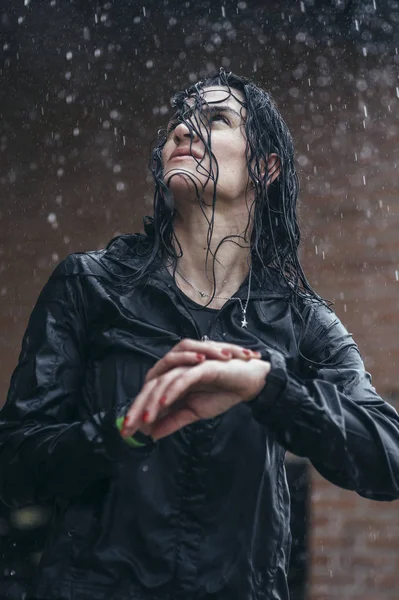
[204, 513]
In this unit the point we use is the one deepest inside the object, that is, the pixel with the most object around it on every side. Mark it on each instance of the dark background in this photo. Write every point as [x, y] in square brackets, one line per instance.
[85, 85]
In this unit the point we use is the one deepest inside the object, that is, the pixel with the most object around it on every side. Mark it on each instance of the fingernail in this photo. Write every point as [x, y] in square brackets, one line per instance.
[146, 416]
[201, 356]
[125, 420]
[247, 352]
[162, 400]
[226, 352]
[124, 432]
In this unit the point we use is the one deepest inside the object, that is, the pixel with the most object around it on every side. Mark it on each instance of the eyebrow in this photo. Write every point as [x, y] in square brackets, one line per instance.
[212, 109]
[215, 108]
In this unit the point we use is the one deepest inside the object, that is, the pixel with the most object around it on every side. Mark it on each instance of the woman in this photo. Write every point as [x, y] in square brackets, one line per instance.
[204, 334]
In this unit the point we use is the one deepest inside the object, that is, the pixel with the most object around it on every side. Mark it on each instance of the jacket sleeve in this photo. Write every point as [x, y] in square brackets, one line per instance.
[46, 450]
[333, 415]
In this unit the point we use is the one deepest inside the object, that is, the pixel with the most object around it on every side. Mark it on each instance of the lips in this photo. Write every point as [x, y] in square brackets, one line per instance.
[184, 152]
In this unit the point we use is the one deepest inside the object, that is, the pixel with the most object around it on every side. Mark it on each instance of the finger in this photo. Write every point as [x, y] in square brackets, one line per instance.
[134, 416]
[147, 403]
[172, 360]
[216, 350]
[179, 386]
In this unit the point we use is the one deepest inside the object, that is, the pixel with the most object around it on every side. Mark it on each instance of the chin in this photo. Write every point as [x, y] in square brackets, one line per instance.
[183, 180]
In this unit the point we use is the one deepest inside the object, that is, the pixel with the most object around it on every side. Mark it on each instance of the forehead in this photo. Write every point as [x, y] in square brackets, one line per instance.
[220, 95]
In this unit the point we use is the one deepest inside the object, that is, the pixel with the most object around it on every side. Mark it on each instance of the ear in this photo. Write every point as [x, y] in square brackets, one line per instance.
[273, 168]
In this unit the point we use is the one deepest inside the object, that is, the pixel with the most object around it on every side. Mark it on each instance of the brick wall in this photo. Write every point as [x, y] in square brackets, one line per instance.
[352, 253]
[342, 106]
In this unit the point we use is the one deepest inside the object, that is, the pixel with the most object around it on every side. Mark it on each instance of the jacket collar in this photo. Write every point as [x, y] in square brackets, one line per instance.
[123, 253]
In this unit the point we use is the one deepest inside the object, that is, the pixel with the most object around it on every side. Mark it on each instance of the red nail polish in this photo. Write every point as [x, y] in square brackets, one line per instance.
[125, 420]
[145, 417]
[226, 352]
[247, 352]
[162, 400]
[201, 357]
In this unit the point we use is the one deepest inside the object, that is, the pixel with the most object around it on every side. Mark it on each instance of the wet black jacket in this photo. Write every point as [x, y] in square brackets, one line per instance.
[204, 513]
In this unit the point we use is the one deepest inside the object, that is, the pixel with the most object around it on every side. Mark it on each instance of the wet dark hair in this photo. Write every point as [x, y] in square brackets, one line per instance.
[275, 235]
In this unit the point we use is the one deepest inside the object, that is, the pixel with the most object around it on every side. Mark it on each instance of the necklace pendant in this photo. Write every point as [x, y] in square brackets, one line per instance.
[244, 322]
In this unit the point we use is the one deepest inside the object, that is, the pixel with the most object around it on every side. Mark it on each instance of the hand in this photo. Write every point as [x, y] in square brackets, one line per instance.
[190, 352]
[186, 394]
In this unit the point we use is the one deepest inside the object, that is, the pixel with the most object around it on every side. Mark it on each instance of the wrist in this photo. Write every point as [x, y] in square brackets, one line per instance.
[275, 383]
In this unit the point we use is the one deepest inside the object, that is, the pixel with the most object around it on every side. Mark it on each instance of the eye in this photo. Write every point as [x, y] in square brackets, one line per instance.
[220, 117]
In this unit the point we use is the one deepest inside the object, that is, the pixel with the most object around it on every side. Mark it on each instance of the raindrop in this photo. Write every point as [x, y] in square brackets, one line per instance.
[223, 11]
[144, 11]
[76, 131]
[364, 50]
[302, 4]
[97, 52]
[149, 64]
[69, 55]
[51, 218]
[20, 20]
[120, 186]
[364, 179]
[357, 25]
[365, 111]
[397, 275]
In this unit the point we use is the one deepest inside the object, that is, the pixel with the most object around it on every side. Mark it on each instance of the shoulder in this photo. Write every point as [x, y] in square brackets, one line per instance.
[324, 337]
[121, 253]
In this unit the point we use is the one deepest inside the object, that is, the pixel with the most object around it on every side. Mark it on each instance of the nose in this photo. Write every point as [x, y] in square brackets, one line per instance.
[182, 131]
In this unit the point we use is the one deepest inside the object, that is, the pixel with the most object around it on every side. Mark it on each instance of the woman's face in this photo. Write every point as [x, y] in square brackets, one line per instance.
[186, 161]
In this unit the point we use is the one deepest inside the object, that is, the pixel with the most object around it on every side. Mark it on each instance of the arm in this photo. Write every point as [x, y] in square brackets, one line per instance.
[46, 450]
[333, 416]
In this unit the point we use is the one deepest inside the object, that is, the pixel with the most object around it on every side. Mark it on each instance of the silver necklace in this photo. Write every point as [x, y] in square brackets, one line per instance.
[244, 321]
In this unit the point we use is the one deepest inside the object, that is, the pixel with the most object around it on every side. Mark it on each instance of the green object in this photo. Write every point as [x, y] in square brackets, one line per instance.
[130, 441]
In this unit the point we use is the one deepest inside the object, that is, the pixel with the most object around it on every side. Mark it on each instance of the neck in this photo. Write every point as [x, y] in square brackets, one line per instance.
[226, 272]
